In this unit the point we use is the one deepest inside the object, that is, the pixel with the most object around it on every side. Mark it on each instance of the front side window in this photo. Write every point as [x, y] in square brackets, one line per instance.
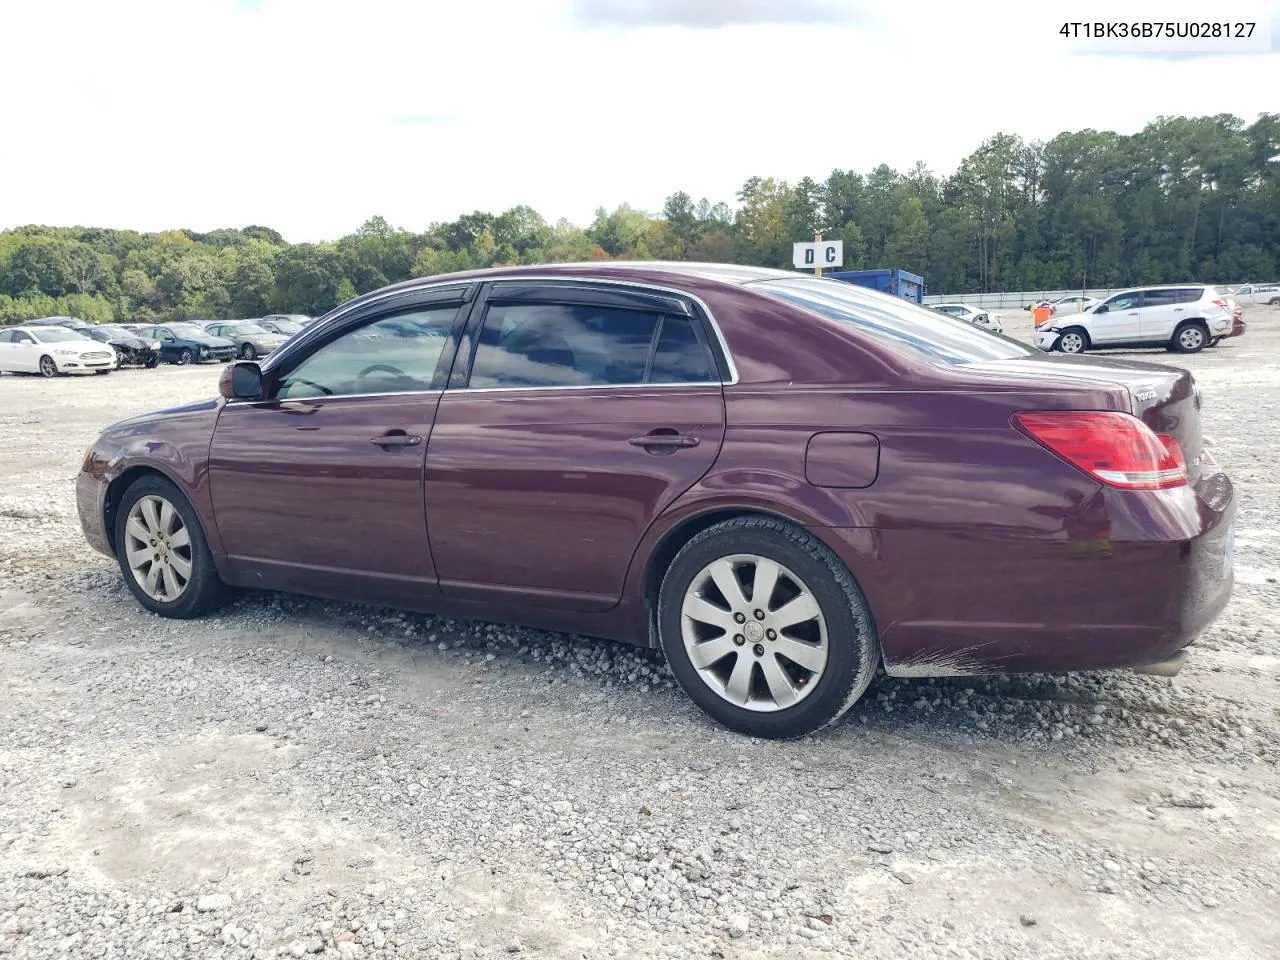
[1123, 301]
[562, 345]
[247, 329]
[398, 353]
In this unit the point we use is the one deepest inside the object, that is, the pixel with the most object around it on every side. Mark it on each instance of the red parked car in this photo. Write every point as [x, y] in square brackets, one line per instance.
[783, 481]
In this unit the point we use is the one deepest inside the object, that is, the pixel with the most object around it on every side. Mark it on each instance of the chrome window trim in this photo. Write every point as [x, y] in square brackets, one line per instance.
[467, 391]
[431, 285]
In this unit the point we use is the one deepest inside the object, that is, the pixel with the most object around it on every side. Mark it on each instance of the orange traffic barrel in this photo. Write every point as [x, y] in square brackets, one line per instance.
[1042, 315]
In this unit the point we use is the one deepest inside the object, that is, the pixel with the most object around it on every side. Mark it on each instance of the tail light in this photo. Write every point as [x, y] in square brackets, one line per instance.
[1220, 303]
[1114, 448]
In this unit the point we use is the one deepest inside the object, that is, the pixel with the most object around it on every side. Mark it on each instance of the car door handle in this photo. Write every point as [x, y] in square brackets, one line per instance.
[396, 438]
[1177, 309]
[664, 438]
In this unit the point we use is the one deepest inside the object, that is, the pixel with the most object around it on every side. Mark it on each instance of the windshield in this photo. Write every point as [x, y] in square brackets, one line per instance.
[112, 331]
[286, 326]
[938, 338]
[56, 335]
[247, 329]
[186, 330]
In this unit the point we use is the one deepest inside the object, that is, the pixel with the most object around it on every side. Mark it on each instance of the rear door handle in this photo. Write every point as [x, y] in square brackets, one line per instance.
[664, 439]
[396, 438]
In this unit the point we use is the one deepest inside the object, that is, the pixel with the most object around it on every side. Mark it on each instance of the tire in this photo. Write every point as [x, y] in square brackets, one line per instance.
[1190, 337]
[203, 590]
[842, 628]
[102, 373]
[185, 356]
[248, 353]
[48, 367]
[151, 363]
[1214, 342]
[1078, 342]
[1274, 302]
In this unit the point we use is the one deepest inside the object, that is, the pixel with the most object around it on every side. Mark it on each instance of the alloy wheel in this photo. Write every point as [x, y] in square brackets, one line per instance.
[755, 632]
[158, 548]
[1071, 343]
[47, 367]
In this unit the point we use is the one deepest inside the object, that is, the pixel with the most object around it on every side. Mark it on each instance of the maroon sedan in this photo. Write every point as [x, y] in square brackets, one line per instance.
[783, 481]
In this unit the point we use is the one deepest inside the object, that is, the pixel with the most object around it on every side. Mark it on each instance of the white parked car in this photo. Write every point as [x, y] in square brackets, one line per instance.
[1182, 317]
[979, 318]
[1253, 294]
[1070, 303]
[50, 351]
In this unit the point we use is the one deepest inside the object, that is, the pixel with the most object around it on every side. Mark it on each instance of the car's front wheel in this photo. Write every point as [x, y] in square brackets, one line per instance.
[1073, 340]
[185, 356]
[48, 368]
[766, 629]
[248, 353]
[162, 551]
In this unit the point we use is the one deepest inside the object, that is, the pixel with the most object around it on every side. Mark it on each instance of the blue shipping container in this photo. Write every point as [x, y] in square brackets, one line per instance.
[899, 283]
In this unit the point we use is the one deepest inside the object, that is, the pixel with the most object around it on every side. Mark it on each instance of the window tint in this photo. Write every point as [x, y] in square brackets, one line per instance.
[560, 345]
[1124, 301]
[1161, 298]
[680, 357]
[394, 354]
[893, 319]
[1188, 295]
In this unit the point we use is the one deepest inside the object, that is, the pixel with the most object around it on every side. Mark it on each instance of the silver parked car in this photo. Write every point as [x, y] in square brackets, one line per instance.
[252, 340]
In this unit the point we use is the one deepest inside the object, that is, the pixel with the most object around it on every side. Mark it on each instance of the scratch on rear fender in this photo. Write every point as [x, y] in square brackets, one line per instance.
[957, 663]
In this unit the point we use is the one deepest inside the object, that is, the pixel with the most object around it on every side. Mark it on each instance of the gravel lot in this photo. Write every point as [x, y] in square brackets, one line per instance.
[299, 778]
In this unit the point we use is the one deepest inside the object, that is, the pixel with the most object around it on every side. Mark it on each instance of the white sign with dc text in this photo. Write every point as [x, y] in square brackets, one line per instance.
[822, 253]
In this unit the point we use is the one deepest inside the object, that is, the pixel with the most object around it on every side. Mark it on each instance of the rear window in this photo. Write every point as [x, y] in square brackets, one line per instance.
[899, 322]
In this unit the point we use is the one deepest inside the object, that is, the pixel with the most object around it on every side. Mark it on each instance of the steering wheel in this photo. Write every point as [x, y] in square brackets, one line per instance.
[380, 368]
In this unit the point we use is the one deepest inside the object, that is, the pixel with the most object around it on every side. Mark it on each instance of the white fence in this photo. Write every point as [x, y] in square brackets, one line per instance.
[1016, 301]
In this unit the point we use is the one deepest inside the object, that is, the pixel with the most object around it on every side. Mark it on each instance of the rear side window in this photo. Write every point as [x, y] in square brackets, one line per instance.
[679, 356]
[580, 345]
[1161, 298]
[1188, 295]
[894, 320]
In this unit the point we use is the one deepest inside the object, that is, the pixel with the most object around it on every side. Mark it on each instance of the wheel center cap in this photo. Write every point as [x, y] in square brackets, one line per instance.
[754, 632]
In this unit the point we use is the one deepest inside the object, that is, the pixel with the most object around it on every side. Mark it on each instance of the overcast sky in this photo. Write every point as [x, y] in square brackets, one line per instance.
[311, 115]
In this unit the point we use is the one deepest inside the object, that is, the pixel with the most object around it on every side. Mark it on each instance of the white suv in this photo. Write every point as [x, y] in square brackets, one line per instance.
[1182, 317]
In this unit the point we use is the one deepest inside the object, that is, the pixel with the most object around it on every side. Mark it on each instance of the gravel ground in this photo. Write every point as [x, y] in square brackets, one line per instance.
[296, 778]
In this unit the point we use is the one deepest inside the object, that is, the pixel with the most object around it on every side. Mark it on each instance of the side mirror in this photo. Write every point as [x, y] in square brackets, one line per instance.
[241, 381]
[1101, 308]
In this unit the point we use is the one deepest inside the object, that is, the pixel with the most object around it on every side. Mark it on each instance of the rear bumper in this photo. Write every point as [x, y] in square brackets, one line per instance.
[1129, 584]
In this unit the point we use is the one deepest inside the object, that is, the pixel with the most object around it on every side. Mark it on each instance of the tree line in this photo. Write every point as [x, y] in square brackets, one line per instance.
[1184, 199]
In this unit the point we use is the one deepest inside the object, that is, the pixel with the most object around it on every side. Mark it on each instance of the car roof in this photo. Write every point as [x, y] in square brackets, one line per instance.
[729, 273]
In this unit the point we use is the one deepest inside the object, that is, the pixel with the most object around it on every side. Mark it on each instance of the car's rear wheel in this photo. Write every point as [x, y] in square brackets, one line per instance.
[48, 368]
[247, 352]
[1073, 340]
[185, 356]
[162, 551]
[1190, 338]
[765, 628]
